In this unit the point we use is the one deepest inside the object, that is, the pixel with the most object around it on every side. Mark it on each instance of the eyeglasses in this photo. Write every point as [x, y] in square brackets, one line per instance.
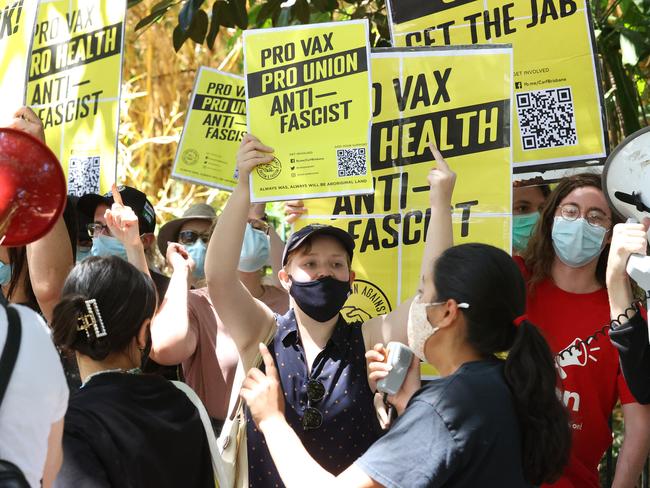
[595, 217]
[313, 418]
[97, 229]
[190, 237]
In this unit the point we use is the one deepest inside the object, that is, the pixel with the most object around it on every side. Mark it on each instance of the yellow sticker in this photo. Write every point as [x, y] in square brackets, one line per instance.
[75, 76]
[558, 112]
[214, 126]
[17, 18]
[308, 97]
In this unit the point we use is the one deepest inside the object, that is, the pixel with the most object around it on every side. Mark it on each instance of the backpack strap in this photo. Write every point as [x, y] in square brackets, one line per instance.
[10, 351]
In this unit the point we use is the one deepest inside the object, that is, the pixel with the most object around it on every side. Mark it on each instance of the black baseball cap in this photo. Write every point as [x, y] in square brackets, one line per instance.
[298, 238]
[131, 197]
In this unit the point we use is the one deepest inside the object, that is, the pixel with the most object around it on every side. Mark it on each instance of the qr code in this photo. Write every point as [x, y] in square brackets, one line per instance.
[351, 162]
[546, 118]
[83, 175]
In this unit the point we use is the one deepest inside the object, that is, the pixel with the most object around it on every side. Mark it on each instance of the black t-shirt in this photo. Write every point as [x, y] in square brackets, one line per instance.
[457, 431]
[133, 431]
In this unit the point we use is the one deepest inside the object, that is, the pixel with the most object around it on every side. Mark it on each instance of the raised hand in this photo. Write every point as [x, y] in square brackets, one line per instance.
[627, 239]
[262, 392]
[250, 154]
[441, 179]
[293, 210]
[122, 221]
[26, 120]
[178, 257]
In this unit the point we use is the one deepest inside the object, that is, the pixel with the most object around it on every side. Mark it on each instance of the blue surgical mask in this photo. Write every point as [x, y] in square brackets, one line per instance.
[197, 251]
[522, 229]
[576, 242]
[108, 246]
[254, 251]
[83, 253]
[5, 273]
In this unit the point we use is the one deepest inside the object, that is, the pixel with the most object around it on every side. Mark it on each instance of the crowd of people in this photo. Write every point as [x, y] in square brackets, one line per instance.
[526, 383]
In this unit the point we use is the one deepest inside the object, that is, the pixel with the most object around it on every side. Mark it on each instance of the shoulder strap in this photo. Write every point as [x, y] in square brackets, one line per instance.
[10, 351]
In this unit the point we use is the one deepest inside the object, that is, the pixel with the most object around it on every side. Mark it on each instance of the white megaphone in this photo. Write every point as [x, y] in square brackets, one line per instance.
[626, 182]
[574, 355]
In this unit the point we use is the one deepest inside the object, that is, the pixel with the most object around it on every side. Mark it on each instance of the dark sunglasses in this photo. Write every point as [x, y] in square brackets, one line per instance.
[313, 418]
[190, 237]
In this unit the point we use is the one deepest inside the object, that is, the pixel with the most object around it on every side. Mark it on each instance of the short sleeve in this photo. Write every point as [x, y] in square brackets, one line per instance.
[418, 451]
[193, 300]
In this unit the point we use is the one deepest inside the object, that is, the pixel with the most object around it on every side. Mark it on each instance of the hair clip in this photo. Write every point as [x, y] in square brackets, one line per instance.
[92, 319]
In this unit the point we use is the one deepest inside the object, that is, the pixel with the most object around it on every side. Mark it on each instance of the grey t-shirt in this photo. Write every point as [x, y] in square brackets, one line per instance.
[457, 431]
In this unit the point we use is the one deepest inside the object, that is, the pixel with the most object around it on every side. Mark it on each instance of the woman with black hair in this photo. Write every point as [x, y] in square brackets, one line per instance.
[122, 428]
[484, 422]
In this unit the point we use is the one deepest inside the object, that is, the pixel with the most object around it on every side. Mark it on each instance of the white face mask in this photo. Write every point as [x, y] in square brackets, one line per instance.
[419, 329]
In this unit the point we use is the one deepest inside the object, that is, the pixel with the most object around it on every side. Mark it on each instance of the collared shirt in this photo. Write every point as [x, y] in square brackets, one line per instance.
[349, 422]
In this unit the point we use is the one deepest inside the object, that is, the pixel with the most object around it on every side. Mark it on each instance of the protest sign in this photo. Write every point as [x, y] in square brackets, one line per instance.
[422, 96]
[559, 115]
[308, 97]
[214, 126]
[17, 19]
[75, 76]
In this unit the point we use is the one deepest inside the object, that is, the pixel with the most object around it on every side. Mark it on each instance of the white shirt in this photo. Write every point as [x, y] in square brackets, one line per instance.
[36, 397]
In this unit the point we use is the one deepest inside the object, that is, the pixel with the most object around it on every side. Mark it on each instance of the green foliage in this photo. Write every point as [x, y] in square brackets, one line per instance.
[201, 22]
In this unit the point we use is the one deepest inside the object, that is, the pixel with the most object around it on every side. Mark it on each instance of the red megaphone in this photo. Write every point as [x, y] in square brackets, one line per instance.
[32, 188]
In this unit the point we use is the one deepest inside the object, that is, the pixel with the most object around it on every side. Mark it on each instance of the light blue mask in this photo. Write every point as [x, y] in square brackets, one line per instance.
[108, 246]
[5, 273]
[197, 251]
[576, 242]
[522, 229]
[254, 251]
[83, 253]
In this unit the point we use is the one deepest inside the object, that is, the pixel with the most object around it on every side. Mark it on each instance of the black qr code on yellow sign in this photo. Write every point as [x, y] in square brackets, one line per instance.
[351, 162]
[83, 175]
[547, 118]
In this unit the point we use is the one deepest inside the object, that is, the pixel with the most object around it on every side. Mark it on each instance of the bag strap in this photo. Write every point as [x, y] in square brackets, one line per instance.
[10, 351]
[207, 426]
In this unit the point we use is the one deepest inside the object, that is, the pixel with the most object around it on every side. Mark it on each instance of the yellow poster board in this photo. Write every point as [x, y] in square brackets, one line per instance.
[421, 96]
[214, 126]
[17, 18]
[558, 114]
[75, 76]
[308, 97]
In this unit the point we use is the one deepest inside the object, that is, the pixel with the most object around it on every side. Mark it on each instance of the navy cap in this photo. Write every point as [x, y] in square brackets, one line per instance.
[298, 238]
[131, 197]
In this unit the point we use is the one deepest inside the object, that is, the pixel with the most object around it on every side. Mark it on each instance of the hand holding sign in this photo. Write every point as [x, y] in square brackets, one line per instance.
[122, 221]
[441, 180]
[251, 153]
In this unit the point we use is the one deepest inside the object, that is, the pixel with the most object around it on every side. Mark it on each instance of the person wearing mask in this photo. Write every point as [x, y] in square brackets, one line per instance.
[485, 421]
[94, 206]
[319, 356]
[565, 268]
[187, 329]
[32, 275]
[122, 427]
[527, 202]
[629, 331]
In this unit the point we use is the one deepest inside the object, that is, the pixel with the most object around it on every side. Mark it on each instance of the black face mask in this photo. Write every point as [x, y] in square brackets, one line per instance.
[320, 299]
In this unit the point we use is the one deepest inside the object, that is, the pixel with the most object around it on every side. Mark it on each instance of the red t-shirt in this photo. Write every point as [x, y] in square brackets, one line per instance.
[591, 377]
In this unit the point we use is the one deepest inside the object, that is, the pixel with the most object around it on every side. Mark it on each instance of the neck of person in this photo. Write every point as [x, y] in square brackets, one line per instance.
[447, 357]
[576, 280]
[253, 282]
[313, 333]
[115, 361]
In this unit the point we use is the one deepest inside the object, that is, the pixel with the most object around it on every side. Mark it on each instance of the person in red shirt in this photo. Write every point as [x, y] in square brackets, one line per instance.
[564, 265]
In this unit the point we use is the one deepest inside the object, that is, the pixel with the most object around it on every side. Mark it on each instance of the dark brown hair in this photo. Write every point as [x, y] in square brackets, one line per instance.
[539, 254]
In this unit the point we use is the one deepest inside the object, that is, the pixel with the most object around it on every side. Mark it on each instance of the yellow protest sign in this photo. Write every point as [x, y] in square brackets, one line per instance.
[75, 76]
[17, 19]
[558, 113]
[422, 96]
[308, 97]
[214, 126]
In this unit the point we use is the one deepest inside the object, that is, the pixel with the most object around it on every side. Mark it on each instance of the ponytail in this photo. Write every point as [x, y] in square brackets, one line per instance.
[531, 376]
